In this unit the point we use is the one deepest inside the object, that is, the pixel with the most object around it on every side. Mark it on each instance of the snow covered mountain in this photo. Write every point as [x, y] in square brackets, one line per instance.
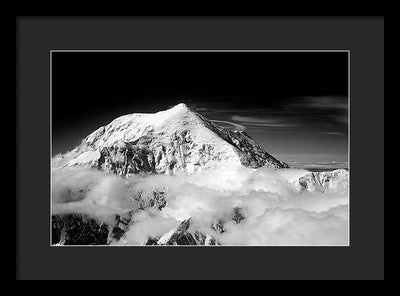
[90, 207]
[167, 142]
[336, 180]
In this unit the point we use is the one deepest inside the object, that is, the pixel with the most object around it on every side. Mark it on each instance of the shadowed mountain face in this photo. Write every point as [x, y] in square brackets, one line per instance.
[167, 142]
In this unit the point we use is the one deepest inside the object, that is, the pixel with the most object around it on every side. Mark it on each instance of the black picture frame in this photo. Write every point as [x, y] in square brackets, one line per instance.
[362, 260]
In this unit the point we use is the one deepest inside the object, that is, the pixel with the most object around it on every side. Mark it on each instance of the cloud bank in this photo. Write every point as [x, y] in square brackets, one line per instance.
[276, 211]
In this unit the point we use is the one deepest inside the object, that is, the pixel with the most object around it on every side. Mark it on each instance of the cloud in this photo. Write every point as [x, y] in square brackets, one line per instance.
[293, 113]
[324, 103]
[276, 211]
[278, 226]
[252, 119]
[335, 108]
[232, 125]
[88, 191]
[147, 224]
[264, 122]
[341, 118]
[332, 133]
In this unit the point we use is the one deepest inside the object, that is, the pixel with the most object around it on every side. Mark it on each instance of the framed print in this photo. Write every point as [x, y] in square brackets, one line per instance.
[202, 141]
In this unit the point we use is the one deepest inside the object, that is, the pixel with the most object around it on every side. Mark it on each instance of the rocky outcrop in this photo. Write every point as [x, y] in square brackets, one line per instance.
[129, 159]
[82, 229]
[155, 199]
[188, 234]
[78, 229]
[183, 235]
[335, 180]
[252, 154]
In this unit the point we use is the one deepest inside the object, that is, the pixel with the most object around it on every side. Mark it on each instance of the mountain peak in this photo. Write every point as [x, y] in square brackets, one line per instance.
[180, 106]
[169, 141]
[177, 114]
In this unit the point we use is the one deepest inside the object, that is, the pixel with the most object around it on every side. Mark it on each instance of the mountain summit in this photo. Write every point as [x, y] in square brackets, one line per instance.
[167, 142]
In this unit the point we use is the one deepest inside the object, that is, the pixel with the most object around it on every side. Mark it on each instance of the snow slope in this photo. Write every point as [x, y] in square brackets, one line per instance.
[167, 142]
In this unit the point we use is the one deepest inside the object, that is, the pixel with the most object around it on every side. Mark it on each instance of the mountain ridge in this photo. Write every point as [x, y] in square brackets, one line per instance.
[168, 142]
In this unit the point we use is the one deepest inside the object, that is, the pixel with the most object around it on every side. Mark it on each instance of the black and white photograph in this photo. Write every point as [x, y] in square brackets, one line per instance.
[199, 148]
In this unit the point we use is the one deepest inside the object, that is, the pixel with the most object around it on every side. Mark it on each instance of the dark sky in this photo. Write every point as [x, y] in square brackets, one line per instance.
[293, 104]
